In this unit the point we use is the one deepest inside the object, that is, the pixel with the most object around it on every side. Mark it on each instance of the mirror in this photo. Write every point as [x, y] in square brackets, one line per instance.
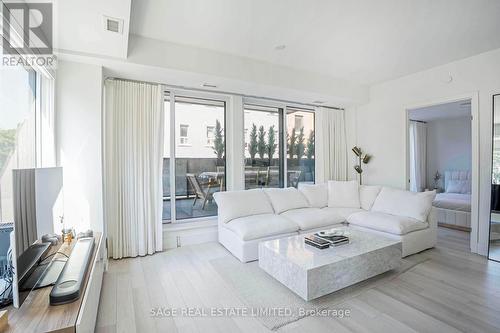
[494, 248]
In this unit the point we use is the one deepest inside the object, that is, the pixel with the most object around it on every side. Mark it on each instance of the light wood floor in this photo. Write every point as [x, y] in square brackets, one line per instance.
[452, 291]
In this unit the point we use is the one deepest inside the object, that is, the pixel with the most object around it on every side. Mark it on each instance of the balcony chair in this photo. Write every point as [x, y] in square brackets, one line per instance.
[199, 192]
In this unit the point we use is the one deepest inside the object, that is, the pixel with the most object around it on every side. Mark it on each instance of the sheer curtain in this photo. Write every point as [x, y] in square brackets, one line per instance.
[418, 153]
[24, 208]
[133, 159]
[331, 145]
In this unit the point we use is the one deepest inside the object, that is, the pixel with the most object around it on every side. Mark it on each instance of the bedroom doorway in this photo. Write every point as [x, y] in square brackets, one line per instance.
[440, 157]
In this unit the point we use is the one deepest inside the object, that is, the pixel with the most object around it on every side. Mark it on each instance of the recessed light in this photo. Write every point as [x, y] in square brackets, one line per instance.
[209, 85]
[280, 47]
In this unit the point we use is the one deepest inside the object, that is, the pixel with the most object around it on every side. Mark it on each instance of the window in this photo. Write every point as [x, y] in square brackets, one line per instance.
[263, 144]
[17, 130]
[299, 122]
[210, 135]
[167, 139]
[199, 162]
[300, 146]
[183, 134]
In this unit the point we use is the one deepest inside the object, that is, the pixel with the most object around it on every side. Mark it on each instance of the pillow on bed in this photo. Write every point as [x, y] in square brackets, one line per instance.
[459, 186]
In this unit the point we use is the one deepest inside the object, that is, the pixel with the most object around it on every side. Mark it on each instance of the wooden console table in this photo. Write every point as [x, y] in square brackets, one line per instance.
[37, 315]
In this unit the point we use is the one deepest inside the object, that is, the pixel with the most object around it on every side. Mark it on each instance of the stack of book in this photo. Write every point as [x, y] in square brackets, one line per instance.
[323, 242]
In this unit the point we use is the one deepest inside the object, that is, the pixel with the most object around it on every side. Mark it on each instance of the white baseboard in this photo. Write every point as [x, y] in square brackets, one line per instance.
[183, 234]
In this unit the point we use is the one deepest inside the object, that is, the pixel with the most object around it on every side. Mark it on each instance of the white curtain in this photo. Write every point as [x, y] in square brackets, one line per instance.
[331, 145]
[418, 153]
[133, 160]
[46, 129]
[24, 208]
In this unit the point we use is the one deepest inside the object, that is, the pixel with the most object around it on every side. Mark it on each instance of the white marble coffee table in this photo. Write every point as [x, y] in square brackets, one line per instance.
[312, 273]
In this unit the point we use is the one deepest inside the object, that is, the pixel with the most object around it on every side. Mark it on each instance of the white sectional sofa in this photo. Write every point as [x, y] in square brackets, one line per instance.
[249, 217]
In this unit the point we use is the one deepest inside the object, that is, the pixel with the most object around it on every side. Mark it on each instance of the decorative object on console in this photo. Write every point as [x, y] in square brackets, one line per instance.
[53, 239]
[68, 235]
[88, 233]
[362, 158]
[71, 282]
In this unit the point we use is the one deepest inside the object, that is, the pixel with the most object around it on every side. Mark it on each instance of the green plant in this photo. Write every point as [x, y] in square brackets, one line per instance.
[301, 147]
[310, 146]
[252, 145]
[261, 142]
[271, 143]
[219, 141]
[292, 140]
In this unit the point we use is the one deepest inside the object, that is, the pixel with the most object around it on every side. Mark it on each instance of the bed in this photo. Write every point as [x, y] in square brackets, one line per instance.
[454, 205]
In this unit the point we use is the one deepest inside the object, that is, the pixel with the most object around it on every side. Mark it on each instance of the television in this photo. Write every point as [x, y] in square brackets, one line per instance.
[37, 201]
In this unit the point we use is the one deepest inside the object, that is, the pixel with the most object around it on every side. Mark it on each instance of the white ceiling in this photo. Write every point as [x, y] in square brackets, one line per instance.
[363, 41]
[79, 27]
[442, 111]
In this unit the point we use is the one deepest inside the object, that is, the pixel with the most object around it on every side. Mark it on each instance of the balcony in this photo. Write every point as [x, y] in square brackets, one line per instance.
[197, 179]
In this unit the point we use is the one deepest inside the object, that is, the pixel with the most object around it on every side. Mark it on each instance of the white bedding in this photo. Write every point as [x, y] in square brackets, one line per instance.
[453, 201]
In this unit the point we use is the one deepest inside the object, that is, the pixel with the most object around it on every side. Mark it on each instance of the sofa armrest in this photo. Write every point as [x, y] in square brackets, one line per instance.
[432, 218]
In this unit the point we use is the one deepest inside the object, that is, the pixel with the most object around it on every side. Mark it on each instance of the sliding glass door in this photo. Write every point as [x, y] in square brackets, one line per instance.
[194, 133]
[300, 146]
[263, 146]
[279, 150]
[270, 152]
[167, 203]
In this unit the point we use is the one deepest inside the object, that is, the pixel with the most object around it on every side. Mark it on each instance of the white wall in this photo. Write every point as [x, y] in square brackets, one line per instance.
[381, 124]
[78, 116]
[448, 147]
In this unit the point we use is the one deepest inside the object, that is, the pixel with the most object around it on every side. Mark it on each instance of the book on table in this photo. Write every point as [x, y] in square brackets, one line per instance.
[334, 240]
[316, 241]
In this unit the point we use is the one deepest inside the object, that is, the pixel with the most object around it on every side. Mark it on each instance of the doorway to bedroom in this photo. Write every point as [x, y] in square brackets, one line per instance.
[440, 159]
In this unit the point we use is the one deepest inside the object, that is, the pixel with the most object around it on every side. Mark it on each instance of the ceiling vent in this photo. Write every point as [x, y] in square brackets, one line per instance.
[209, 85]
[113, 24]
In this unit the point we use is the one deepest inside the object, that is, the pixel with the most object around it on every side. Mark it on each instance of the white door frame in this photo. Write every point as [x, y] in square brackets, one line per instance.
[173, 92]
[474, 98]
[284, 106]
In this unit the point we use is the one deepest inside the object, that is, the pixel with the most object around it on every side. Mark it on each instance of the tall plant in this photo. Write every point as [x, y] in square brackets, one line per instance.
[301, 147]
[310, 146]
[219, 141]
[292, 144]
[252, 145]
[261, 142]
[271, 143]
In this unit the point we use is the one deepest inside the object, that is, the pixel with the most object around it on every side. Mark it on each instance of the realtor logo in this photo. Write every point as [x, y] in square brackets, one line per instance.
[27, 28]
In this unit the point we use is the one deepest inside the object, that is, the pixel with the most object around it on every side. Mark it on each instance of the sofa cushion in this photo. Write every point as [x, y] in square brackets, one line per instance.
[310, 218]
[344, 213]
[343, 194]
[284, 199]
[316, 195]
[416, 205]
[367, 195]
[235, 204]
[397, 225]
[260, 226]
